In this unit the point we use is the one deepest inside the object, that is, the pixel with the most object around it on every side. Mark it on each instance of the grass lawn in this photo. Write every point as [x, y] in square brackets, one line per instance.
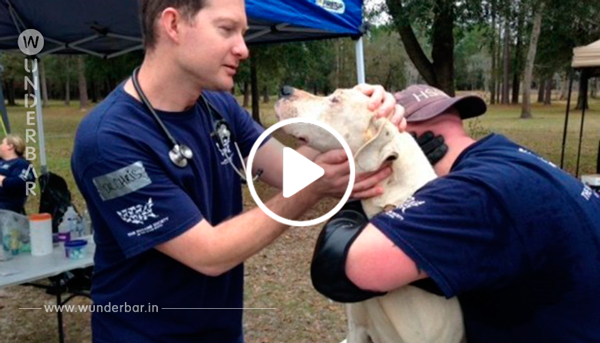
[278, 277]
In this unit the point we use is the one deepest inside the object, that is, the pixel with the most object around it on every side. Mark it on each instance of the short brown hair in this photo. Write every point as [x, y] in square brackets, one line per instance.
[151, 9]
[17, 144]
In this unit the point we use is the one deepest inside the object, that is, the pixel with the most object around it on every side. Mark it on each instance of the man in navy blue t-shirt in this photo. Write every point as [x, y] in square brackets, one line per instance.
[171, 237]
[515, 238]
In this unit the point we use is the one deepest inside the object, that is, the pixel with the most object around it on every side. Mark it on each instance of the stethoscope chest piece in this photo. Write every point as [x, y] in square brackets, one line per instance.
[180, 154]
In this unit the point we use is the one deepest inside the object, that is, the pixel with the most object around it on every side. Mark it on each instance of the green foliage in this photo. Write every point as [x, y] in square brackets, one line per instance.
[299, 64]
[471, 58]
[565, 25]
[13, 66]
[476, 129]
[386, 59]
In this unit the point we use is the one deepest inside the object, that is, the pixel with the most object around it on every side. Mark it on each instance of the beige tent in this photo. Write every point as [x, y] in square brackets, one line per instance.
[586, 60]
[586, 56]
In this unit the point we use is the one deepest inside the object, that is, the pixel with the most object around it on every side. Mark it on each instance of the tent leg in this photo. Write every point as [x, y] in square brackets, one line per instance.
[3, 112]
[584, 79]
[564, 141]
[360, 61]
[39, 116]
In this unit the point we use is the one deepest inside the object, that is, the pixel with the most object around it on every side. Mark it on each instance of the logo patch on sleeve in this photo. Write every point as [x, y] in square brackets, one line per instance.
[122, 182]
[138, 214]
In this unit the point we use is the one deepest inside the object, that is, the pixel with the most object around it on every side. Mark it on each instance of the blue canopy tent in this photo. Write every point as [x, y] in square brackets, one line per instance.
[110, 28]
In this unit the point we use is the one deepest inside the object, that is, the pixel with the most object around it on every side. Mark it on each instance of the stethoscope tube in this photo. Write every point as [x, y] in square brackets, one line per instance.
[180, 153]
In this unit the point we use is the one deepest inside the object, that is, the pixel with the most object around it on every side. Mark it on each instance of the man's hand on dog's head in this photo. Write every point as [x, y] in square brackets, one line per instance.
[384, 103]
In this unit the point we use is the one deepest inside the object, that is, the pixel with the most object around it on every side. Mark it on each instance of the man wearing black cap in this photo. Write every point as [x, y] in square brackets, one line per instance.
[515, 238]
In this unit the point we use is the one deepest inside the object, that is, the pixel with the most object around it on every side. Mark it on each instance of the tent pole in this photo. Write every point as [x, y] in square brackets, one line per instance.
[3, 112]
[564, 142]
[584, 79]
[39, 116]
[360, 61]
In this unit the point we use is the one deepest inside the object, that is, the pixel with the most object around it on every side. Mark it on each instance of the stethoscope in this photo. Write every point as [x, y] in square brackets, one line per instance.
[222, 135]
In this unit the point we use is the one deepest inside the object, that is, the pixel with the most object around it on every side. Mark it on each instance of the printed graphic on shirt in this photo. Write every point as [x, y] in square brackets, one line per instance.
[587, 192]
[28, 174]
[122, 182]
[407, 204]
[150, 228]
[138, 214]
[410, 203]
[224, 145]
[394, 215]
[538, 157]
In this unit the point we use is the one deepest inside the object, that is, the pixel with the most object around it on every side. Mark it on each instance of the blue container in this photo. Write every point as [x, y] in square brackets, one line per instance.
[75, 249]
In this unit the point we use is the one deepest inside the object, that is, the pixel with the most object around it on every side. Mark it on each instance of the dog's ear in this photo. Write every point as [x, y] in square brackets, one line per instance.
[379, 148]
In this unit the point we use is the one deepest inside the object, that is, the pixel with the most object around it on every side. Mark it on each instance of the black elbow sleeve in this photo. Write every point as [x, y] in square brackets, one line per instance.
[328, 268]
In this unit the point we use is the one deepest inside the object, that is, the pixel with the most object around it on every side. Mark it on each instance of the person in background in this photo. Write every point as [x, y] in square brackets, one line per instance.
[15, 173]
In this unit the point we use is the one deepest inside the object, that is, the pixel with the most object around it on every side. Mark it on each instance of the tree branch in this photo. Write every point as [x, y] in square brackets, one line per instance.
[411, 44]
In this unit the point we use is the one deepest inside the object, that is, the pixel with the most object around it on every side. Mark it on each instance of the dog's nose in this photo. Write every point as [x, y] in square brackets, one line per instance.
[286, 91]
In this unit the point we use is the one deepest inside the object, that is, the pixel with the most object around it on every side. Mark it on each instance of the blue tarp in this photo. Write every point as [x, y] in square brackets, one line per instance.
[110, 27]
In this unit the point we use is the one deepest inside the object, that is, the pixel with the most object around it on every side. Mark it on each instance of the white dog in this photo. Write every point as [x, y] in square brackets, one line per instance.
[408, 314]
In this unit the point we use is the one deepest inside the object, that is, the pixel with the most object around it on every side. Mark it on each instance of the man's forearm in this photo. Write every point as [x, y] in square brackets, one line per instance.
[215, 250]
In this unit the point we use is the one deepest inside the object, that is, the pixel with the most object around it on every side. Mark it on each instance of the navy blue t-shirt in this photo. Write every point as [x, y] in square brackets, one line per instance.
[13, 192]
[137, 199]
[515, 238]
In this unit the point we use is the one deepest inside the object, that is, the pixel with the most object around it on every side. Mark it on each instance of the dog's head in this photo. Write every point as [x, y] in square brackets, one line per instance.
[345, 111]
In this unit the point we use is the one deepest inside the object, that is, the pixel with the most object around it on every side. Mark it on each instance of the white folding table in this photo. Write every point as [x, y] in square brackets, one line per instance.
[25, 268]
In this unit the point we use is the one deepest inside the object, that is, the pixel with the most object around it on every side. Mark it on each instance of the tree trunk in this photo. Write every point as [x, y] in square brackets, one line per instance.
[498, 63]
[68, 92]
[541, 83]
[266, 98]
[518, 65]
[548, 95]
[582, 100]
[440, 72]
[96, 92]
[506, 67]
[535, 34]
[10, 92]
[594, 94]
[254, 87]
[443, 45]
[515, 88]
[564, 86]
[499, 85]
[493, 71]
[83, 95]
[246, 94]
[43, 83]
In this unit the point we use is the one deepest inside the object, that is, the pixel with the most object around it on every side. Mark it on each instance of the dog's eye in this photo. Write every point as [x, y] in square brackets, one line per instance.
[335, 99]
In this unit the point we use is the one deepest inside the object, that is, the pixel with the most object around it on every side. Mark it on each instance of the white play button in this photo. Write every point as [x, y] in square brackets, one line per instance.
[298, 172]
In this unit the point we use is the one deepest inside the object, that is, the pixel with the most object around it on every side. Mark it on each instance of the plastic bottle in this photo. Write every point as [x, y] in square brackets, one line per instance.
[67, 229]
